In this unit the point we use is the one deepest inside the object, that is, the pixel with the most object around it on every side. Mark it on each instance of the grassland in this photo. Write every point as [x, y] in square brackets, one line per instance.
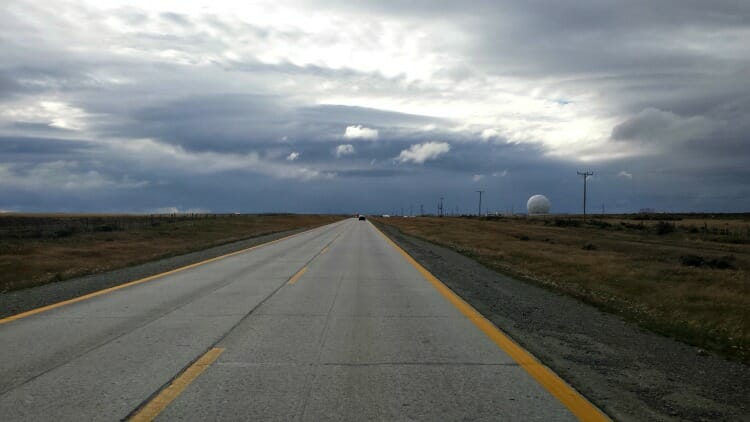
[39, 249]
[687, 276]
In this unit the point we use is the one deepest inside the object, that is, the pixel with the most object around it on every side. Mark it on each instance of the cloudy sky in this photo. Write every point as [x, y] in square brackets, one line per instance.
[373, 106]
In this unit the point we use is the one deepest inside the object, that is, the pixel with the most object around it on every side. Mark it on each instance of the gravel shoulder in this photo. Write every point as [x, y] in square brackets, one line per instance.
[15, 302]
[630, 373]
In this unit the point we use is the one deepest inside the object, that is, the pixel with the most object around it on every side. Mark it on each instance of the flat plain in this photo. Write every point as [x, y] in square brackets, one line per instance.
[684, 276]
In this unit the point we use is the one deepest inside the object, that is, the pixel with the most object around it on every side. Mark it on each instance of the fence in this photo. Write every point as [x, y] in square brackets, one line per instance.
[25, 227]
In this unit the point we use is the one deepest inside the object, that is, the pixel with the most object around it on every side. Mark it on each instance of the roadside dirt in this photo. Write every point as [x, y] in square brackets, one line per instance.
[630, 373]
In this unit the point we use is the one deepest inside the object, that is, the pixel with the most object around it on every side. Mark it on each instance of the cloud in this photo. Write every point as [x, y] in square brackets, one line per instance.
[360, 132]
[178, 210]
[292, 156]
[65, 175]
[658, 127]
[535, 88]
[500, 173]
[55, 114]
[345, 149]
[477, 177]
[178, 160]
[419, 153]
[625, 174]
[488, 134]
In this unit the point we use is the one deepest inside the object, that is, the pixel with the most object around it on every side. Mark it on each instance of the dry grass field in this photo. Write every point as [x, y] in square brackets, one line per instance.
[683, 276]
[39, 249]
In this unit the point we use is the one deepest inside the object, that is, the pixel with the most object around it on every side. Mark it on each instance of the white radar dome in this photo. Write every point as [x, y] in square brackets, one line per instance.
[538, 204]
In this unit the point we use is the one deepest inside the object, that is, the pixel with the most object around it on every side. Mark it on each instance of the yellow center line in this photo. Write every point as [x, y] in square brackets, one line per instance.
[139, 281]
[297, 276]
[566, 394]
[152, 409]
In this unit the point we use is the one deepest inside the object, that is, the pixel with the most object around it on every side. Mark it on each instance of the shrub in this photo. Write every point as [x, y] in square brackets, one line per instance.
[105, 228]
[562, 222]
[589, 247]
[722, 263]
[600, 223]
[66, 232]
[632, 226]
[662, 228]
[691, 260]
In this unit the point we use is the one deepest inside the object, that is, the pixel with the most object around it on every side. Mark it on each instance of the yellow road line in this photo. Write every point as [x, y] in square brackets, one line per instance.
[574, 401]
[297, 276]
[152, 409]
[135, 282]
[304, 269]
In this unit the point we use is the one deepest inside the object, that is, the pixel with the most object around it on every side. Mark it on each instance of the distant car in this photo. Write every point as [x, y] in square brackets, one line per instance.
[362, 218]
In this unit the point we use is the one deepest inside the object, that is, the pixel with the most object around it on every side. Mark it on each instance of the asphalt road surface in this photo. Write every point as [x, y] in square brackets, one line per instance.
[334, 323]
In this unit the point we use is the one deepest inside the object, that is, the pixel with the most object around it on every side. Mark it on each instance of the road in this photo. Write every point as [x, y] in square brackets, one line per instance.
[334, 323]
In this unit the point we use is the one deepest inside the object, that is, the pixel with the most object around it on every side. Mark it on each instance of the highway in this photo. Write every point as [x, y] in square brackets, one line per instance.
[335, 323]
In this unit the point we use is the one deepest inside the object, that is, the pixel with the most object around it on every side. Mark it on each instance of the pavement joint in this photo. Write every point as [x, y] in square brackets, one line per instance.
[146, 402]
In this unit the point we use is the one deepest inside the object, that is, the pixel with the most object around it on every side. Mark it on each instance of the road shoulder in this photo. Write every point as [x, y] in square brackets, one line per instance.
[630, 373]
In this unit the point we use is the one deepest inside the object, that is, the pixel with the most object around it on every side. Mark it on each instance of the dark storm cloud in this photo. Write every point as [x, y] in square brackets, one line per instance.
[687, 58]
[665, 55]
[10, 146]
[217, 122]
[245, 122]
[363, 115]
[19, 80]
[366, 173]
[9, 86]
[652, 125]
[177, 114]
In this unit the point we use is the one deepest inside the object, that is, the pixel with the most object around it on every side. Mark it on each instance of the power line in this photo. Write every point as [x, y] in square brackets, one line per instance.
[479, 214]
[585, 175]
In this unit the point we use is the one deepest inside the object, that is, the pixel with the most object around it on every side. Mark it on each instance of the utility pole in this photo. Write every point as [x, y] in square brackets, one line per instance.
[479, 214]
[411, 210]
[402, 211]
[421, 210]
[440, 207]
[585, 175]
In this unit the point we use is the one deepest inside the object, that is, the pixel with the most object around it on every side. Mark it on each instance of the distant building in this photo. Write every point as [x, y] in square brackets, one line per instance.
[538, 204]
